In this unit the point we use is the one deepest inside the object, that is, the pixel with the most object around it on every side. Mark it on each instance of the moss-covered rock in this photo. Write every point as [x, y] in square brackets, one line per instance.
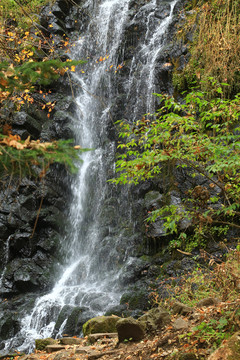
[100, 324]
[136, 299]
[41, 344]
[154, 319]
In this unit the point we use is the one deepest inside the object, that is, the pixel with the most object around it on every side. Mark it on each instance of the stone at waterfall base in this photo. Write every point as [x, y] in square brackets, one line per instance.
[130, 329]
[100, 324]
[70, 341]
[103, 337]
[53, 348]
[41, 344]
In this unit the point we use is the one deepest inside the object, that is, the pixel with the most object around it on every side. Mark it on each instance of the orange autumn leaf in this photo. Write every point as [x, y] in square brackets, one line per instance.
[3, 82]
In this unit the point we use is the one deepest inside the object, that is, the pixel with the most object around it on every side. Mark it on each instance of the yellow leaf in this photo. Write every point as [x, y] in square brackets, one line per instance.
[73, 67]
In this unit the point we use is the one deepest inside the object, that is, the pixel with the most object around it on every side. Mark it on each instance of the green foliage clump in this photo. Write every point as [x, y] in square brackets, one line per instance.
[200, 135]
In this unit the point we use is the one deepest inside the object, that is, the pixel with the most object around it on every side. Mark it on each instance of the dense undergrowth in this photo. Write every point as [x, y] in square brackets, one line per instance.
[213, 28]
[212, 290]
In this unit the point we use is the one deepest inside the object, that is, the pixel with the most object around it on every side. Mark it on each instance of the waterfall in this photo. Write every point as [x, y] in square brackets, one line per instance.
[5, 256]
[93, 250]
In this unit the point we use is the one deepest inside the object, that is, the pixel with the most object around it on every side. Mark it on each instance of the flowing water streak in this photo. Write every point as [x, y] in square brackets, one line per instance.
[5, 259]
[144, 63]
[91, 274]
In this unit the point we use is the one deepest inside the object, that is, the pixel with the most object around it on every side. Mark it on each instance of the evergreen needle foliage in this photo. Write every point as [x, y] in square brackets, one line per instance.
[35, 162]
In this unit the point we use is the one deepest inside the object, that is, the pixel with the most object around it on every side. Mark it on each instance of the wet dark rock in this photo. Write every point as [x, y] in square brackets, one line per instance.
[75, 321]
[153, 199]
[117, 310]
[30, 122]
[75, 317]
[23, 275]
[9, 326]
[12, 311]
[163, 11]
[136, 299]
[20, 245]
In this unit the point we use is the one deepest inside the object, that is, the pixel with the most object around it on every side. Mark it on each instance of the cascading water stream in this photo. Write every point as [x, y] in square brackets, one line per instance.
[5, 259]
[90, 279]
[145, 61]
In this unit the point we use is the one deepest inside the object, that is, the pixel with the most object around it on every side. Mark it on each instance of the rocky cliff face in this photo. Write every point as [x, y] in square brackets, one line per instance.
[33, 214]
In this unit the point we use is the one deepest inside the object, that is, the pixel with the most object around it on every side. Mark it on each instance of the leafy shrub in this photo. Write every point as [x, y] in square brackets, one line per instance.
[200, 135]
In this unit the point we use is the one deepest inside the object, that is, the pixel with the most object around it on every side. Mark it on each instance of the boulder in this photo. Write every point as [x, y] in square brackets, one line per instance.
[100, 324]
[179, 308]
[53, 348]
[70, 341]
[180, 324]
[208, 302]
[229, 350]
[103, 337]
[41, 344]
[155, 319]
[130, 329]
